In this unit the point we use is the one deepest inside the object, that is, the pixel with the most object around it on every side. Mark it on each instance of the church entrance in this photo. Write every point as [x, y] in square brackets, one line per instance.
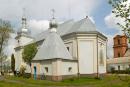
[35, 72]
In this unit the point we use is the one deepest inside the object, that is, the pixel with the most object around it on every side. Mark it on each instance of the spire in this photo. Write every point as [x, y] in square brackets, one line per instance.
[24, 19]
[53, 24]
[24, 23]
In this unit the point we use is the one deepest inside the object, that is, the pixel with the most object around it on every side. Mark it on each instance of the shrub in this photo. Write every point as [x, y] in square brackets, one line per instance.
[22, 70]
[27, 75]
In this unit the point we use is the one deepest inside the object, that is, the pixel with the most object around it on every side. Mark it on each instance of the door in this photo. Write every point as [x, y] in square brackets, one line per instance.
[35, 72]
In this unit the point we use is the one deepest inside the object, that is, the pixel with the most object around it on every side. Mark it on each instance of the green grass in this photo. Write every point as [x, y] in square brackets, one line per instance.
[107, 81]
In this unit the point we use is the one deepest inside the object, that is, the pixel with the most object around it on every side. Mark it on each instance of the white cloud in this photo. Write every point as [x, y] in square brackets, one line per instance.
[37, 26]
[38, 12]
[40, 9]
[111, 21]
[110, 46]
[11, 44]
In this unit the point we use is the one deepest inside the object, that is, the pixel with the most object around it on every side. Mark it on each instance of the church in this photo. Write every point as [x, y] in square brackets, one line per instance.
[70, 49]
[121, 51]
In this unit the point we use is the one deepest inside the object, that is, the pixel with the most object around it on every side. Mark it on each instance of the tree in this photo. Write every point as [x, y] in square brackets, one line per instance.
[29, 52]
[3, 59]
[121, 9]
[5, 30]
[12, 63]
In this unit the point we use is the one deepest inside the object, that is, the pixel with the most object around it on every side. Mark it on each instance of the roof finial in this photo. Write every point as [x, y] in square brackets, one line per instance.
[23, 16]
[24, 22]
[53, 13]
[53, 23]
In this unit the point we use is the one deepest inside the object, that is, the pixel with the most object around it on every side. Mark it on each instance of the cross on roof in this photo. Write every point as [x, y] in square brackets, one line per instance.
[53, 13]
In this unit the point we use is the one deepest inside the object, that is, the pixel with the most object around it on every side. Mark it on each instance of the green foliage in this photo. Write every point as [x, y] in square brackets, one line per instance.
[107, 81]
[5, 30]
[12, 63]
[29, 52]
[121, 9]
[22, 70]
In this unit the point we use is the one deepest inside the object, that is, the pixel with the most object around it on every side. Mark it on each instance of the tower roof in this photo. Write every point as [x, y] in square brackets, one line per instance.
[84, 25]
[53, 47]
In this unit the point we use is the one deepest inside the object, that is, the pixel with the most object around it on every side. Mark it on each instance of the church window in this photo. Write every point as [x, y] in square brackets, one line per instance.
[46, 68]
[119, 42]
[119, 55]
[70, 69]
[18, 41]
[68, 48]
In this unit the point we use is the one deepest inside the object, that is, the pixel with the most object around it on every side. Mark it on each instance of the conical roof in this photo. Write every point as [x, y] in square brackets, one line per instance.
[53, 47]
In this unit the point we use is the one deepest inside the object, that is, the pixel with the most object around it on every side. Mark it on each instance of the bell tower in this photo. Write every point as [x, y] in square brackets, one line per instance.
[120, 45]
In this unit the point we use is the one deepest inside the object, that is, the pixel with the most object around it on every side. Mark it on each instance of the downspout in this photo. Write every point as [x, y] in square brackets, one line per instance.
[97, 59]
[77, 57]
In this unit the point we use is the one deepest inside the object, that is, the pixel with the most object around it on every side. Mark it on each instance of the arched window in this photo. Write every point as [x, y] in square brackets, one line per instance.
[119, 55]
[119, 42]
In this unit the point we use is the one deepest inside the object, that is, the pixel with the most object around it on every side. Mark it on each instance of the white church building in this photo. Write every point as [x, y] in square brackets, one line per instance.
[64, 50]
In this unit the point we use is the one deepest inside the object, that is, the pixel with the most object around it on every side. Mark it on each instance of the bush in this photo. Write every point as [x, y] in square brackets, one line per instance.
[27, 75]
[127, 71]
[22, 70]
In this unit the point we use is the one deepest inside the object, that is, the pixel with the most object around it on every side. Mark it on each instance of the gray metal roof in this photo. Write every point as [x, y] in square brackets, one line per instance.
[53, 47]
[84, 25]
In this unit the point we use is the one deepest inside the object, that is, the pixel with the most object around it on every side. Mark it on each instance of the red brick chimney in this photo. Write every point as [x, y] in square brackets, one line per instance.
[120, 45]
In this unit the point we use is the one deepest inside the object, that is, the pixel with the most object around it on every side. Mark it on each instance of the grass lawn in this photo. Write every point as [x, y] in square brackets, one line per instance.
[107, 81]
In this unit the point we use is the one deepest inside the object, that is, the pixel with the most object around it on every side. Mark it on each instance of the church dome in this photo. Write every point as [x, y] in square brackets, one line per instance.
[24, 30]
[53, 23]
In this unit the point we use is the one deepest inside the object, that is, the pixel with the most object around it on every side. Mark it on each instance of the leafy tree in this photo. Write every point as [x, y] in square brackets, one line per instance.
[12, 63]
[121, 9]
[3, 59]
[29, 53]
[5, 30]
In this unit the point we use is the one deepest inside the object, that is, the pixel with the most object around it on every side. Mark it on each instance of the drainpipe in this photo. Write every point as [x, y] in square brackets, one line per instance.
[97, 59]
[77, 57]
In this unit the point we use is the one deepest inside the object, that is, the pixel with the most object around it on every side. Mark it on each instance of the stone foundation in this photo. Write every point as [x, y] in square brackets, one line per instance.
[60, 78]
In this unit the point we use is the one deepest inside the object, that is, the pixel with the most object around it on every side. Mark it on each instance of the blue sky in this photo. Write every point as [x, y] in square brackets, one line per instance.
[103, 10]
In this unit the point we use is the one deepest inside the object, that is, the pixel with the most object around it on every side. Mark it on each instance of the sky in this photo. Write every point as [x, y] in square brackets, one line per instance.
[38, 13]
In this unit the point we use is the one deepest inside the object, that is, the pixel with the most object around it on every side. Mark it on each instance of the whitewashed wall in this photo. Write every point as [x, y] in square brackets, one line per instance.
[102, 45]
[24, 40]
[18, 53]
[18, 59]
[71, 43]
[87, 52]
[66, 65]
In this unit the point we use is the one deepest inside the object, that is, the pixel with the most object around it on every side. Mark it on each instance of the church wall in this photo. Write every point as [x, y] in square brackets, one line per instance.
[24, 40]
[18, 59]
[69, 67]
[55, 69]
[38, 67]
[44, 65]
[87, 55]
[102, 55]
[71, 44]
